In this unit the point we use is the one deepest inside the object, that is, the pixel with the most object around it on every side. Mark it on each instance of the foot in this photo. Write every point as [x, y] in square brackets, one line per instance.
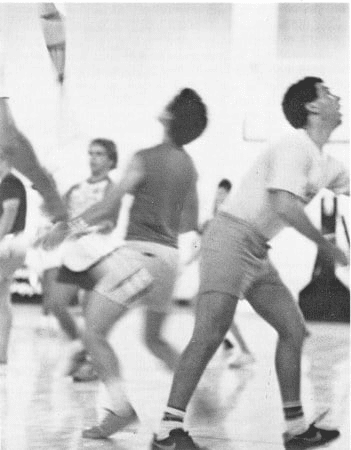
[178, 440]
[243, 359]
[109, 425]
[85, 373]
[313, 437]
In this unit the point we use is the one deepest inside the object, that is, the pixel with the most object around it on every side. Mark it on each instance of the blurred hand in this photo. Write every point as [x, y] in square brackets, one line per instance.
[54, 236]
[332, 254]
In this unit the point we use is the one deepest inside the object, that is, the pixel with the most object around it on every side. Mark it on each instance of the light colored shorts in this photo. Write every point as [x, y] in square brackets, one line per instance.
[138, 270]
[12, 254]
[234, 260]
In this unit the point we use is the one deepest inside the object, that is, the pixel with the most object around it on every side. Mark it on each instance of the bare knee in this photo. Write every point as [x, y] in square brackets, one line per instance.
[294, 333]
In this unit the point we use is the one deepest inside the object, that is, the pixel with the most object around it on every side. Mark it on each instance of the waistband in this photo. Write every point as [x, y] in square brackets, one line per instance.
[251, 228]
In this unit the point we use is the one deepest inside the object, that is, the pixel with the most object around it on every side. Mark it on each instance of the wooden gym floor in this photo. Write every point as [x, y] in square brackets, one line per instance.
[233, 409]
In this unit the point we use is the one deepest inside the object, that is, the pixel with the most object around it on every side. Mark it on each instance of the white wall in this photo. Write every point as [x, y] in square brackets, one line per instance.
[124, 63]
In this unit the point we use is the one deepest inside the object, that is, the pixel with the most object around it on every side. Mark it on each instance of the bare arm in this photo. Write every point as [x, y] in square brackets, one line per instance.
[190, 212]
[22, 157]
[290, 209]
[8, 217]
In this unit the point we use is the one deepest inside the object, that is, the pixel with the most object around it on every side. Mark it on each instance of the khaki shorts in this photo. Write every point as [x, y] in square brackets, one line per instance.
[234, 259]
[138, 270]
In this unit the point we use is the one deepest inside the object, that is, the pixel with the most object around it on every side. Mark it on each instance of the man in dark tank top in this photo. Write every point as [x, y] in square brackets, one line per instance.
[162, 180]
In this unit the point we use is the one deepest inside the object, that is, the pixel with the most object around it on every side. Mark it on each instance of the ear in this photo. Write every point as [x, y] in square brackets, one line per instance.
[312, 107]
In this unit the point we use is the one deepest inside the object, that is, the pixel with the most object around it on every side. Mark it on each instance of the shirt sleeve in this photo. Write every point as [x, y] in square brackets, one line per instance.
[289, 167]
[340, 177]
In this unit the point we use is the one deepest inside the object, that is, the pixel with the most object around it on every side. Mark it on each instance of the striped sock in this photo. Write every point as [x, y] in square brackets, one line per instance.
[294, 417]
[172, 418]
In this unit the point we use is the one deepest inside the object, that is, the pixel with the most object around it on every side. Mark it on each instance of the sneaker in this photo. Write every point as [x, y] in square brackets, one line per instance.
[313, 437]
[85, 373]
[109, 425]
[178, 439]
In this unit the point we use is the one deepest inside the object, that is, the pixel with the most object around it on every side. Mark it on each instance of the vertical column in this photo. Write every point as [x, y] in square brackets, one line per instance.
[254, 61]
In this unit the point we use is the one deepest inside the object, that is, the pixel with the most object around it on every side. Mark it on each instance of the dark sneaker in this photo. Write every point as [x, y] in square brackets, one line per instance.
[109, 425]
[178, 440]
[313, 437]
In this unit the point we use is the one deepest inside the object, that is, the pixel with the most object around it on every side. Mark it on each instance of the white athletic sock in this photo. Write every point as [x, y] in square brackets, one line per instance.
[172, 418]
[119, 400]
[294, 417]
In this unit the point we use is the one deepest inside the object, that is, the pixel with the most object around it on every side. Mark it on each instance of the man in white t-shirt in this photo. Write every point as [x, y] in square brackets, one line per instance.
[59, 287]
[271, 196]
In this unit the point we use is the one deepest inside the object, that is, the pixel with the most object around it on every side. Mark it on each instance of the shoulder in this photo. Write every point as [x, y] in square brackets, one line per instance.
[294, 145]
[145, 152]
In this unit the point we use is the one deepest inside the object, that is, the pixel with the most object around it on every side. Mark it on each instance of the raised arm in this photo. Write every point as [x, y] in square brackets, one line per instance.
[22, 157]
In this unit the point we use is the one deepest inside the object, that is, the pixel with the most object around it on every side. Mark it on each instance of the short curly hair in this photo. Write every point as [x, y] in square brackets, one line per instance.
[295, 99]
[189, 117]
[110, 147]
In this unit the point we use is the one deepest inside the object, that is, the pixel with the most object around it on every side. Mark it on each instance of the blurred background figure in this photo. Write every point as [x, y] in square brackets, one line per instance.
[58, 296]
[13, 209]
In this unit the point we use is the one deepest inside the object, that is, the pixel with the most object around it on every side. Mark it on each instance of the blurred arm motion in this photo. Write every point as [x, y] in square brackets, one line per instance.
[17, 148]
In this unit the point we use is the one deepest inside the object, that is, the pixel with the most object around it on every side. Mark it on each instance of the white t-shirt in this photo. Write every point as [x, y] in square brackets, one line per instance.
[293, 163]
[85, 194]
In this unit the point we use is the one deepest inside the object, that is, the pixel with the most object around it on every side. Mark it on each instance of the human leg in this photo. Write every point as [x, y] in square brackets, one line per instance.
[101, 314]
[162, 263]
[58, 298]
[233, 340]
[154, 322]
[275, 304]
[214, 314]
[119, 283]
[5, 318]
[12, 255]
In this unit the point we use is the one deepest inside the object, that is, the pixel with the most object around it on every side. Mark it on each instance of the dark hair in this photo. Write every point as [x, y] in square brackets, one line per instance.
[189, 117]
[295, 99]
[110, 147]
[225, 184]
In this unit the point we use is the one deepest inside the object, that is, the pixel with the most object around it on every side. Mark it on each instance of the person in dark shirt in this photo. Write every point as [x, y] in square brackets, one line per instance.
[162, 180]
[13, 208]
